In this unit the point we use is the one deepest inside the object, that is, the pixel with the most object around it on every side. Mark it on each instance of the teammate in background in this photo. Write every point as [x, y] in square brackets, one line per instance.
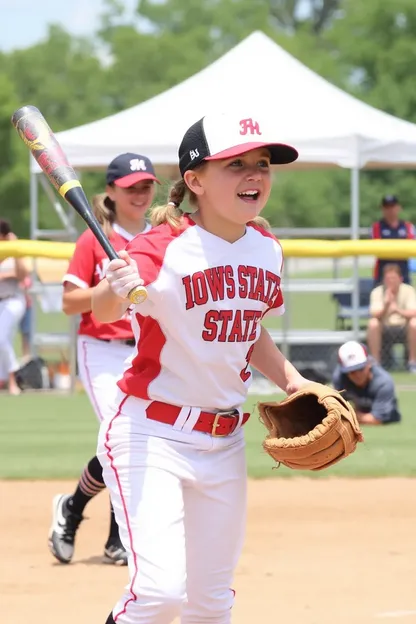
[367, 385]
[12, 309]
[173, 448]
[102, 348]
[391, 227]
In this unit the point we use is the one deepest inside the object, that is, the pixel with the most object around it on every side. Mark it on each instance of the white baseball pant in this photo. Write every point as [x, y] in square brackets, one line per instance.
[11, 313]
[180, 502]
[100, 364]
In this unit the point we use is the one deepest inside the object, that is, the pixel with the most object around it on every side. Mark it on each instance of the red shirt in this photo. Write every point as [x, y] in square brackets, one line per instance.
[86, 269]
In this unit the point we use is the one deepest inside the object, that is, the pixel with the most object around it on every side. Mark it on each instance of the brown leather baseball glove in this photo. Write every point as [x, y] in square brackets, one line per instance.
[311, 429]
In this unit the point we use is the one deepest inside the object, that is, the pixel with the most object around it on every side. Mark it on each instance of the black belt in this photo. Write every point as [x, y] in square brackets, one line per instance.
[129, 343]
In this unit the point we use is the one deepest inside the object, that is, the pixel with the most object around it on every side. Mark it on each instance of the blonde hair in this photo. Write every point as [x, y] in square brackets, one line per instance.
[261, 222]
[105, 211]
[172, 213]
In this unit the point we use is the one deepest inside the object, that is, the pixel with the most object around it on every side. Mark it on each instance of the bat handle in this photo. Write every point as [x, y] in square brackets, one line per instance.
[138, 294]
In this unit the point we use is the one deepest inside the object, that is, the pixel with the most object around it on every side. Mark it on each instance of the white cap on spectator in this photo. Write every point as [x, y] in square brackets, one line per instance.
[352, 356]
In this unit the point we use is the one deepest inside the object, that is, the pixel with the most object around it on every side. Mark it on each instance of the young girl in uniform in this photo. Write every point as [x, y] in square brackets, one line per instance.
[102, 348]
[173, 449]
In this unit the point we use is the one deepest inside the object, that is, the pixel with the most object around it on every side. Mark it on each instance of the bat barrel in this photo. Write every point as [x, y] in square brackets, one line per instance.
[39, 138]
[24, 111]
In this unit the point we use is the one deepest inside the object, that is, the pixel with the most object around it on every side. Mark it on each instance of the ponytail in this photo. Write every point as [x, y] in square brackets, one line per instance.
[172, 212]
[105, 211]
[261, 222]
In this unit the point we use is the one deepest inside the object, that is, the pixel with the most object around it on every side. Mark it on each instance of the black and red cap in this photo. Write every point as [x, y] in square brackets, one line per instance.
[220, 136]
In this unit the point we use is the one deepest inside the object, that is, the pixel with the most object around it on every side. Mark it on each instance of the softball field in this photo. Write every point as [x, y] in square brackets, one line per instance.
[329, 551]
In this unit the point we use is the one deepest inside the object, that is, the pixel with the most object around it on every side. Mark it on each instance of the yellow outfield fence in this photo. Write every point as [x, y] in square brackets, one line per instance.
[293, 248]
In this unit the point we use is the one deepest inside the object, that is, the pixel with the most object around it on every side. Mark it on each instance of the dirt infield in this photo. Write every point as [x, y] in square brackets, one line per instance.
[317, 552]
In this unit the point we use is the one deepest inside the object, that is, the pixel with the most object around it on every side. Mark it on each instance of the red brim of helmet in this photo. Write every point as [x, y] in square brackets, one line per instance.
[133, 178]
[280, 153]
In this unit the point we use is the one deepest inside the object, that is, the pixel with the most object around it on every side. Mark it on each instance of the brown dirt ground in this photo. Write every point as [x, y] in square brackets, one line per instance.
[317, 552]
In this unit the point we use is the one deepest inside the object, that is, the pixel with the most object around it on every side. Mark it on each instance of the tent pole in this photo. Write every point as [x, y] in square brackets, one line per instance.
[355, 235]
[33, 203]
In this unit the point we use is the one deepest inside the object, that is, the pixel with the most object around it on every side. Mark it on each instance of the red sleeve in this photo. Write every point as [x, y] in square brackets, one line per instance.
[149, 249]
[278, 306]
[376, 230]
[410, 229]
[82, 264]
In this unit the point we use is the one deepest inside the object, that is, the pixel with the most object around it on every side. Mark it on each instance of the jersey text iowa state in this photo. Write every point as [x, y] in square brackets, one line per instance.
[223, 282]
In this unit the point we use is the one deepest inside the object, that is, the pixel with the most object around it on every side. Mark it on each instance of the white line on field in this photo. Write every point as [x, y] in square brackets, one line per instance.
[395, 614]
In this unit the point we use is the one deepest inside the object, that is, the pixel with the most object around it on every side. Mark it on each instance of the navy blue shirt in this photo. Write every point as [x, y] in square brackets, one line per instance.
[378, 397]
[405, 231]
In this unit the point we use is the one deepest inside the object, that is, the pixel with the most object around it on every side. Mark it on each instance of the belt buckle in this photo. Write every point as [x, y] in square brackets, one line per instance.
[216, 423]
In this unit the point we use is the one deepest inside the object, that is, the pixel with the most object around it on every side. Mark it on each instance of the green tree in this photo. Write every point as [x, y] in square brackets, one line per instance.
[375, 41]
[13, 176]
[64, 77]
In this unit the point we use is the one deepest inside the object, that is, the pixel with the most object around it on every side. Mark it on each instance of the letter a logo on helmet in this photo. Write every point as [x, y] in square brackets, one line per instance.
[248, 125]
[137, 164]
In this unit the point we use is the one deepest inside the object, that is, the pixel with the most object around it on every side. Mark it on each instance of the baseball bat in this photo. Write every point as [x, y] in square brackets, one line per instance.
[34, 131]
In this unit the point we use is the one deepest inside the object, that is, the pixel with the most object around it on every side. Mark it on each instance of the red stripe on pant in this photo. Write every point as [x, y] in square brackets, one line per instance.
[133, 597]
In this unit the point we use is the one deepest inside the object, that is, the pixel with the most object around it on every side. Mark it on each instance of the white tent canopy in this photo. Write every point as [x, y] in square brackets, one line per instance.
[327, 126]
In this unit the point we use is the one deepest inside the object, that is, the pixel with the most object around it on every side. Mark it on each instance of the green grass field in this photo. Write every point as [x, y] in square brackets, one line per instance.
[51, 436]
[48, 436]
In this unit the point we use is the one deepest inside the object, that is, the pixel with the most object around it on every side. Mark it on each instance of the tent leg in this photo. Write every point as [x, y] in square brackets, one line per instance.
[355, 235]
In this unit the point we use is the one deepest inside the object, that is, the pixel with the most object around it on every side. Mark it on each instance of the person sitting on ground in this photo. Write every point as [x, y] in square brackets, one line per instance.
[367, 386]
[393, 315]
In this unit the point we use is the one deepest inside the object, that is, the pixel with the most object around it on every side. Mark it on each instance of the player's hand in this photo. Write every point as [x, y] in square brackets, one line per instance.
[393, 307]
[122, 275]
[388, 296]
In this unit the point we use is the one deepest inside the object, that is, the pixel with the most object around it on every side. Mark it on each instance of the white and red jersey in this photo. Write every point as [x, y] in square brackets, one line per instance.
[86, 269]
[196, 330]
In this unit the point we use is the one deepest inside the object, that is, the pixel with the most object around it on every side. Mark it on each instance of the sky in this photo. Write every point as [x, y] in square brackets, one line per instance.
[25, 22]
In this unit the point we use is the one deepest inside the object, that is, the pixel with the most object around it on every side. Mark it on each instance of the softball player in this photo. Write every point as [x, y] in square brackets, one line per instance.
[12, 309]
[102, 348]
[173, 448]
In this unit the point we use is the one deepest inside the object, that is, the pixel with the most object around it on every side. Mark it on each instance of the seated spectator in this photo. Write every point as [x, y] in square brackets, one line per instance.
[12, 308]
[391, 227]
[367, 386]
[393, 316]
